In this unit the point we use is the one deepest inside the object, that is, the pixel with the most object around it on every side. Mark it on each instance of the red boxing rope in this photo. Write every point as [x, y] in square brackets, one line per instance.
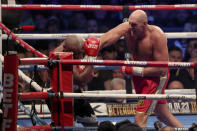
[38, 128]
[44, 61]
[27, 27]
[33, 95]
[20, 41]
[100, 7]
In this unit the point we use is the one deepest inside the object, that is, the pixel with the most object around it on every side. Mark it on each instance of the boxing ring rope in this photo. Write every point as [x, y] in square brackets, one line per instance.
[45, 61]
[174, 91]
[41, 67]
[20, 41]
[27, 79]
[29, 113]
[98, 7]
[45, 95]
[174, 35]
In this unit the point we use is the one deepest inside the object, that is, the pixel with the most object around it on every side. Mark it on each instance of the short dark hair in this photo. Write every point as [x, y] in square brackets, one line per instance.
[106, 126]
[126, 125]
[174, 48]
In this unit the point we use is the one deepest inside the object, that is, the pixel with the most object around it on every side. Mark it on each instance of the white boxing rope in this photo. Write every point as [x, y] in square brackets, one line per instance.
[129, 96]
[174, 35]
[174, 91]
[28, 80]
[29, 113]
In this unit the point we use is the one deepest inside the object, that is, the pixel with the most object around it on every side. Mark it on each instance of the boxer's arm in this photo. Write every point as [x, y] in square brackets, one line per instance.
[59, 48]
[114, 34]
[82, 76]
[160, 53]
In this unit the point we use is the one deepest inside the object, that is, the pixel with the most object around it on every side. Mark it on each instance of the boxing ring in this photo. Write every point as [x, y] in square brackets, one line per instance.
[63, 117]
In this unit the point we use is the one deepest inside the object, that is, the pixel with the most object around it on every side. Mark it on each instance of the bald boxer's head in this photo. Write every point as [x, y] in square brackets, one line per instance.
[138, 21]
[74, 44]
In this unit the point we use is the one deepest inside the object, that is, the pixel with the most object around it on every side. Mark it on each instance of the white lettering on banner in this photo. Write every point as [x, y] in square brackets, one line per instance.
[179, 64]
[91, 60]
[6, 124]
[8, 80]
[145, 6]
[179, 107]
[90, 6]
[6, 96]
[51, 6]
[137, 63]
[6, 108]
[185, 5]
[170, 107]
[185, 107]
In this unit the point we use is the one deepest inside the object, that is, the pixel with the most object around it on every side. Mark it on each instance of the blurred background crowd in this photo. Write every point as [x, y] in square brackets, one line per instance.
[66, 21]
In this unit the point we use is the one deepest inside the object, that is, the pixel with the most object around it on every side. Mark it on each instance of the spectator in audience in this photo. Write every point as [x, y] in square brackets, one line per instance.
[126, 125]
[101, 17]
[175, 55]
[92, 26]
[78, 22]
[117, 74]
[121, 50]
[194, 127]
[186, 76]
[26, 18]
[181, 17]
[175, 84]
[106, 126]
[65, 19]
[109, 53]
[192, 44]
[118, 84]
[53, 26]
[191, 24]
[40, 20]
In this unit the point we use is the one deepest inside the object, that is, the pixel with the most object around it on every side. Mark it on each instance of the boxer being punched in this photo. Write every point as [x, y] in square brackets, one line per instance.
[82, 49]
[146, 43]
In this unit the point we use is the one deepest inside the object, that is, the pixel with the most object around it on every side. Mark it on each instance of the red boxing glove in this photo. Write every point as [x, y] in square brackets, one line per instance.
[129, 70]
[92, 46]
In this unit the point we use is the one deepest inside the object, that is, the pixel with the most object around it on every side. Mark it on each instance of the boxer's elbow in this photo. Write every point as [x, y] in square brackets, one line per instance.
[163, 71]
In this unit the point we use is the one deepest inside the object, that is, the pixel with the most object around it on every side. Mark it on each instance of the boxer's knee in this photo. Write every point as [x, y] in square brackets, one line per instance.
[141, 119]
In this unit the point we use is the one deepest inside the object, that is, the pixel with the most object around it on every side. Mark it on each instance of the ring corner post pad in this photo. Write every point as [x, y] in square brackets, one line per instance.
[61, 82]
[10, 91]
[195, 78]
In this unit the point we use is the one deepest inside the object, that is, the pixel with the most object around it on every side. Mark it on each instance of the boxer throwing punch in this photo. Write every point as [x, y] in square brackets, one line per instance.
[146, 43]
[82, 49]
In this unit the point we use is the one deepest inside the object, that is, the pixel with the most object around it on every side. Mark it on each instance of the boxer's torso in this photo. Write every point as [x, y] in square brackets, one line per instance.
[142, 50]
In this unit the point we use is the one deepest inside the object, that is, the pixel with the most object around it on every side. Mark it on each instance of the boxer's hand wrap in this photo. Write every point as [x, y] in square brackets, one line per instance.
[81, 67]
[92, 47]
[129, 70]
